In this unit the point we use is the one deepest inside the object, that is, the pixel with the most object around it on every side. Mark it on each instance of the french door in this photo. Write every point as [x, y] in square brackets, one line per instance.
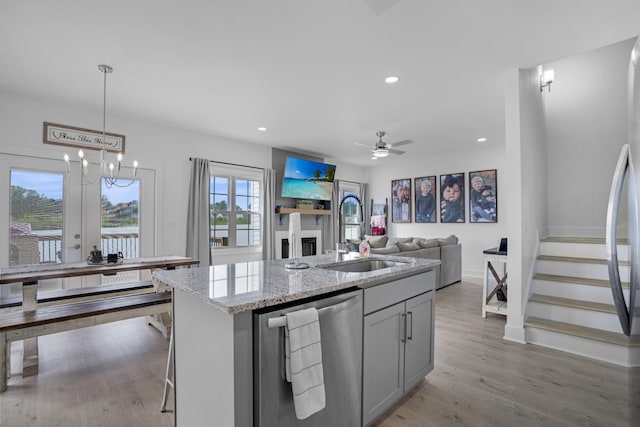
[53, 215]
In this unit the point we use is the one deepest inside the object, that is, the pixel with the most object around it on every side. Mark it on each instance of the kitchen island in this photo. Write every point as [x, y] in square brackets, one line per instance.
[214, 326]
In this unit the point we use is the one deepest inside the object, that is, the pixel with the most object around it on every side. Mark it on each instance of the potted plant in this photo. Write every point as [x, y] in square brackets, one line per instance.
[304, 204]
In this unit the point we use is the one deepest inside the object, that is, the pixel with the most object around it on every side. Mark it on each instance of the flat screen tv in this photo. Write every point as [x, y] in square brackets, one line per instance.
[306, 179]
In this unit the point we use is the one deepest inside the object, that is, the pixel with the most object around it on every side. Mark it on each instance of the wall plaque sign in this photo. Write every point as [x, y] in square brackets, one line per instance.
[81, 138]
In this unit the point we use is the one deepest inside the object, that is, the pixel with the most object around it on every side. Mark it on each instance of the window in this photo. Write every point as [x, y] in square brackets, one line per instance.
[351, 211]
[235, 202]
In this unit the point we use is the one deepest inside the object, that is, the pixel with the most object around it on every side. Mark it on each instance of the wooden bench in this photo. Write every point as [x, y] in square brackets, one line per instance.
[20, 325]
[80, 294]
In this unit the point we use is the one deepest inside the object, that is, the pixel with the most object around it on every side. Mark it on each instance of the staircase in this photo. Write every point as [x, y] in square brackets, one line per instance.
[570, 305]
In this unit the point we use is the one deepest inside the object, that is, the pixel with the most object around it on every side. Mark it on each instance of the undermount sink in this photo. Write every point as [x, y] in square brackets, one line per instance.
[362, 266]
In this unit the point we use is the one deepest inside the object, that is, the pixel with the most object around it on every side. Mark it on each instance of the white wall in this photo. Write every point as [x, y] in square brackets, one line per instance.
[586, 116]
[527, 188]
[155, 146]
[165, 149]
[474, 237]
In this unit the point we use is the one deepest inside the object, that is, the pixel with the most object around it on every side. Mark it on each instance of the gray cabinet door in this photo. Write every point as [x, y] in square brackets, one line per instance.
[383, 360]
[419, 342]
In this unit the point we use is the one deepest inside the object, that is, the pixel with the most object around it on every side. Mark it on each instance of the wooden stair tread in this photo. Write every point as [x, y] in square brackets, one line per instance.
[582, 240]
[78, 310]
[573, 303]
[577, 259]
[577, 280]
[583, 332]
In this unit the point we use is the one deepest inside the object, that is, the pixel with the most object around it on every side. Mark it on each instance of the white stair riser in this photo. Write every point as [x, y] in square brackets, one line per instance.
[576, 269]
[576, 316]
[622, 356]
[575, 291]
[581, 250]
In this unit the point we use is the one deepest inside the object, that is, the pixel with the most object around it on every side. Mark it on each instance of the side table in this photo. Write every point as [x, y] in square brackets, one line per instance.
[496, 282]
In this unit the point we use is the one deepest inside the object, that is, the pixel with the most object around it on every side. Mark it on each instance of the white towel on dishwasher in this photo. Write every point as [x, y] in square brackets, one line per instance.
[303, 362]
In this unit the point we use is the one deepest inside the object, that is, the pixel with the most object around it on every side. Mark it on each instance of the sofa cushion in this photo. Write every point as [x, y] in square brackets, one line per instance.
[388, 250]
[396, 240]
[431, 253]
[408, 246]
[426, 243]
[451, 240]
[376, 241]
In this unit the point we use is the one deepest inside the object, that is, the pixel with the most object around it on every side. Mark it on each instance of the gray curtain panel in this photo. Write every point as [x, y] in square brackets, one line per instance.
[366, 212]
[268, 229]
[198, 225]
[330, 222]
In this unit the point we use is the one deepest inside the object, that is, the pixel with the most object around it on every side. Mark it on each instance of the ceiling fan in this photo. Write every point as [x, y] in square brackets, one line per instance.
[382, 149]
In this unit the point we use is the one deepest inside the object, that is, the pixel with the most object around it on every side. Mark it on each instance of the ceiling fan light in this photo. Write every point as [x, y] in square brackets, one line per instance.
[380, 152]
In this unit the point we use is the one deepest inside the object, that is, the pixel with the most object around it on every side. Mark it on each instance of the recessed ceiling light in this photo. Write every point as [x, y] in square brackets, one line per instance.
[481, 139]
[262, 129]
[374, 158]
[391, 80]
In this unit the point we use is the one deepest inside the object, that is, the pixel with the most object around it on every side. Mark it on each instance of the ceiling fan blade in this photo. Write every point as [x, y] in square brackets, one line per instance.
[404, 142]
[394, 151]
[363, 145]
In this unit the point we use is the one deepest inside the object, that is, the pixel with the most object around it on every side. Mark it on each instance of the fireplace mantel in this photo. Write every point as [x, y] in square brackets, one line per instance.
[317, 212]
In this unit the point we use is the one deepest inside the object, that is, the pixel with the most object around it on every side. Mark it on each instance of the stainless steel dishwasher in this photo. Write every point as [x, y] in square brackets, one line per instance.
[340, 318]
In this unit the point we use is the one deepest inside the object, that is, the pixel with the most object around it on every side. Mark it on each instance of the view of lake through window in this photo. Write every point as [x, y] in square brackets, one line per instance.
[35, 217]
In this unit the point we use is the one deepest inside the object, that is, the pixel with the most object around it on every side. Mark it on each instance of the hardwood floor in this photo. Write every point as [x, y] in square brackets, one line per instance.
[110, 375]
[113, 375]
[480, 379]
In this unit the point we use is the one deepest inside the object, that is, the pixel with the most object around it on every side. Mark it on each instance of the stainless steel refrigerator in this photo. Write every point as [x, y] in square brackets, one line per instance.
[623, 212]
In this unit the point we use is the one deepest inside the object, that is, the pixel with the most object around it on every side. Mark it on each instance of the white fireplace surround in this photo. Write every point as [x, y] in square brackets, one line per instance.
[284, 235]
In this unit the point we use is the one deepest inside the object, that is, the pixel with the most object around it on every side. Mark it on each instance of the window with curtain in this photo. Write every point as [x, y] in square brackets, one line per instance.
[235, 200]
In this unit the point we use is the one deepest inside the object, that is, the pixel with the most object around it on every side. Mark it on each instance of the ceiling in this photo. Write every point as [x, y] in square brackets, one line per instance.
[311, 72]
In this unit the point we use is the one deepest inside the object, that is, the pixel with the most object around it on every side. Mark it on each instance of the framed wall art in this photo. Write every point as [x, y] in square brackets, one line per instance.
[483, 196]
[425, 198]
[401, 200]
[452, 198]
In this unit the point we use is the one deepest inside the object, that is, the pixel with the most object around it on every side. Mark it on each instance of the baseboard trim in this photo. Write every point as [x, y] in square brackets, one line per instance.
[473, 276]
[514, 334]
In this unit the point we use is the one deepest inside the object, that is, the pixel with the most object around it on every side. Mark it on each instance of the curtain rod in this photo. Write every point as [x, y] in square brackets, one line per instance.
[231, 164]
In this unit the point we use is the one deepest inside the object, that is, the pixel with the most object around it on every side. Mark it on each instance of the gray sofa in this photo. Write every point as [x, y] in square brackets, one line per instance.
[447, 250]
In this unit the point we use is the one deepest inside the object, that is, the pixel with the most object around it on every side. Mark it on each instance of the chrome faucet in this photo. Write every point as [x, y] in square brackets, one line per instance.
[341, 242]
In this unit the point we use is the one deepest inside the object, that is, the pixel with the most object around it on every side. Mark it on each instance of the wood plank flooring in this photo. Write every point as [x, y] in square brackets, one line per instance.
[480, 379]
[113, 375]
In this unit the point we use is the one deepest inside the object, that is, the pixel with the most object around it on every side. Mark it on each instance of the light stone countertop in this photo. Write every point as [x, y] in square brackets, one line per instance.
[234, 288]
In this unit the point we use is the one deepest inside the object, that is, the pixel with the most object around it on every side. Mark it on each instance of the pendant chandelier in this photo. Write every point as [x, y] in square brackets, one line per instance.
[110, 171]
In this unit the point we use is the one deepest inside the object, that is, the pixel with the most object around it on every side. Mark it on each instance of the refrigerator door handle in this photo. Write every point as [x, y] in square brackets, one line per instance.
[611, 240]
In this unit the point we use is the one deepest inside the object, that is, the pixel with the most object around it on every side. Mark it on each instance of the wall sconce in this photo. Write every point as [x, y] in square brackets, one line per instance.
[546, 78]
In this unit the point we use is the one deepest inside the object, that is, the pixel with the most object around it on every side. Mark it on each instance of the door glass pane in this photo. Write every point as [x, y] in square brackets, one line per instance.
[35, 217]
[120, 225]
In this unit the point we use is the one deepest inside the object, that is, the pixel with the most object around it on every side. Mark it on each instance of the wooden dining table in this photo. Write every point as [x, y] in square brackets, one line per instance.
[30, 275]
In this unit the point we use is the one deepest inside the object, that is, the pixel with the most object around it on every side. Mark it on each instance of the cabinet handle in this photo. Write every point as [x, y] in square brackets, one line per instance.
[403, 324]
[410, 313]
